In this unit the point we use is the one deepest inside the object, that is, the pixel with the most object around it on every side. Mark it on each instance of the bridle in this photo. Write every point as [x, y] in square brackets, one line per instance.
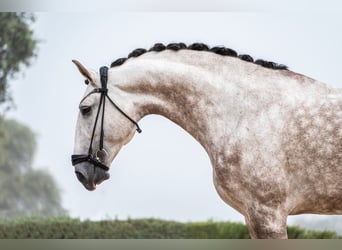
[95, 158]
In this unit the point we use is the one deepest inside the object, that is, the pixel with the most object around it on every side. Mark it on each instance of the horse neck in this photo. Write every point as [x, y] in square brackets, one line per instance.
[179, 88]
[205, 94]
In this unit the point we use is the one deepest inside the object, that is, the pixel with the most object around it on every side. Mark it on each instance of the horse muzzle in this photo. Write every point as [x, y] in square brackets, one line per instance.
[89, 175]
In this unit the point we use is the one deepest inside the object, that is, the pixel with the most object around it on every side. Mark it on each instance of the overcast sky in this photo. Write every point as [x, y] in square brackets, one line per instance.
[162, 172]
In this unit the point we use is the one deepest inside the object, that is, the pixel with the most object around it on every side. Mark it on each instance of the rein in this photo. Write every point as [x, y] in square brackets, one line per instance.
[92, 158]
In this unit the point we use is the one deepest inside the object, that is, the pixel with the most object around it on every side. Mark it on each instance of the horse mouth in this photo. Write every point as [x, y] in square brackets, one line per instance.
[90, 176]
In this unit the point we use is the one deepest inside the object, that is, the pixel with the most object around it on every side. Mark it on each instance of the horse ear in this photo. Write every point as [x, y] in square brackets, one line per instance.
[85, 72]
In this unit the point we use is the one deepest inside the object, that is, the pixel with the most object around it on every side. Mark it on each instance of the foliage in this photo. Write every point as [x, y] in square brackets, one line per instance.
[61, 228]
[17, 47]
[217, 230]
[295, 232]
[17, 147]
[24, 191]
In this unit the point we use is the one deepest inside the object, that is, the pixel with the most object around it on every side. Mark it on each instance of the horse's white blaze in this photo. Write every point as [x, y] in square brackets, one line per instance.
[274, 137]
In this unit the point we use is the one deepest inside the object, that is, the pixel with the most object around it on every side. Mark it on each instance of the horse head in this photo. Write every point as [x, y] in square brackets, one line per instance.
[102, 129]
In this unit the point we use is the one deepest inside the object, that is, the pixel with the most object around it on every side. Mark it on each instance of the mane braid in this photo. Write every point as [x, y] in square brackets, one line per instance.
[220, 50]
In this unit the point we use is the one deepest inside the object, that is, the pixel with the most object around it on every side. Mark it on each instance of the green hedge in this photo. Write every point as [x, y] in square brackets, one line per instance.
[61, 228]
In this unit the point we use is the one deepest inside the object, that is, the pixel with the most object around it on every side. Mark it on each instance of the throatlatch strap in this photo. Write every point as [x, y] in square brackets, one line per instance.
[138, 129]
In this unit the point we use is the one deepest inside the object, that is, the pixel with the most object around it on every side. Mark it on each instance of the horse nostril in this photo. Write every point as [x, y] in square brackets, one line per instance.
[80, 177]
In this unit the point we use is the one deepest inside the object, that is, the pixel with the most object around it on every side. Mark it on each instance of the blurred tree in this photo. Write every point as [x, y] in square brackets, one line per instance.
[24, 191]
[17, 47]
[17, 147]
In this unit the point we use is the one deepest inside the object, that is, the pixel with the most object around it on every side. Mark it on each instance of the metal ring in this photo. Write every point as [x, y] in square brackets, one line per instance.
[100, 151]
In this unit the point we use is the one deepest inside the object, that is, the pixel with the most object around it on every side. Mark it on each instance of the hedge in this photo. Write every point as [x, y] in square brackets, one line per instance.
[68, 228]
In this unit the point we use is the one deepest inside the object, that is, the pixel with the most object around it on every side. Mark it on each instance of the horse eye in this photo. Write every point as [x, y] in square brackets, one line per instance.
[85, 110]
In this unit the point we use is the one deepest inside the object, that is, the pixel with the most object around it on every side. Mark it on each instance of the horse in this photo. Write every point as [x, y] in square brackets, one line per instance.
[273, 136]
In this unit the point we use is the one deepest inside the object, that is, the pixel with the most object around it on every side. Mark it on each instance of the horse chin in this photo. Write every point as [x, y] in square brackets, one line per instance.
[90, 176]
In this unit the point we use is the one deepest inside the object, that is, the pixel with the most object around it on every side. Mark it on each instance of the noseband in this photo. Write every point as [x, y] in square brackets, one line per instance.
[92, 158]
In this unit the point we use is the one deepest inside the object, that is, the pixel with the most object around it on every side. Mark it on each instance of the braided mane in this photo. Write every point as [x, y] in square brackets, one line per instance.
[200, 47]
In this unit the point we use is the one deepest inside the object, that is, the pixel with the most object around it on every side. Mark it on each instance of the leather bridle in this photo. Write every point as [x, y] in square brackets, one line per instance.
[91, 157]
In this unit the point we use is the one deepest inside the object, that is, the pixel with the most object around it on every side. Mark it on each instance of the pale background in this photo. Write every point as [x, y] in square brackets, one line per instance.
[163, 173]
